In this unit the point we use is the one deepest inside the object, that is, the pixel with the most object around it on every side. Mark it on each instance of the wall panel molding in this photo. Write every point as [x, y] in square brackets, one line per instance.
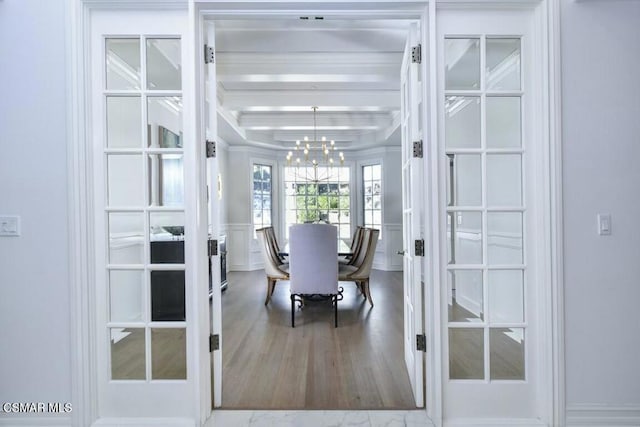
[494, 422]
[240, 250]
[595, 415]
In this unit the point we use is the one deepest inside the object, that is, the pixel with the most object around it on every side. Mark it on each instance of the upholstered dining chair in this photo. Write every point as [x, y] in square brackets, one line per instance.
[313, 265]
[360, 271]
[272, 266]
[271, 235]
[356, 245]
[361, 249]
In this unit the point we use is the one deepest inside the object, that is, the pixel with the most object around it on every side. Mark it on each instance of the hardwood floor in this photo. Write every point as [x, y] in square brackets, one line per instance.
[269, 365]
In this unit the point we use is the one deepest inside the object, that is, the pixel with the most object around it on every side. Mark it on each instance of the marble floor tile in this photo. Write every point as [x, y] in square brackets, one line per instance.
[229, 418]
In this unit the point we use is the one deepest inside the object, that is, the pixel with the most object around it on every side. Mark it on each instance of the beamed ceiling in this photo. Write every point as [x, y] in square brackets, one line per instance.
[271, 72]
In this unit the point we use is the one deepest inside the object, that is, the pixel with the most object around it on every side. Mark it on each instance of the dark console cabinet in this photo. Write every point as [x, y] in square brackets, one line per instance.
[167, 296]
[167, 286]
[167, 252]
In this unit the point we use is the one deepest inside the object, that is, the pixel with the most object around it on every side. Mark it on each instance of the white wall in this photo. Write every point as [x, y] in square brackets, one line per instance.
[601, 142]
[34, 290]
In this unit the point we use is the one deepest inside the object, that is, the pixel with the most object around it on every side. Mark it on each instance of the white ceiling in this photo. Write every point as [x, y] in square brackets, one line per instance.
[271, 72]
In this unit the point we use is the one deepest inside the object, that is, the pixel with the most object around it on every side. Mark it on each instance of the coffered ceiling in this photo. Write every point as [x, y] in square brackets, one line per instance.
[271, 72]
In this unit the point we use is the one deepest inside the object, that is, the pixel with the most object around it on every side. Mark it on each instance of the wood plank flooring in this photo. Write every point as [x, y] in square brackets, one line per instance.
[269, 365]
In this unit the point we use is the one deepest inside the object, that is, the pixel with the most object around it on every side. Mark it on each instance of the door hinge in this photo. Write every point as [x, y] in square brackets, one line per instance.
[421, 342]
[417, 149]
[214, 342]
[209, 54]
[419, 247]
[211, 149]
[416, 54]
[212, 247]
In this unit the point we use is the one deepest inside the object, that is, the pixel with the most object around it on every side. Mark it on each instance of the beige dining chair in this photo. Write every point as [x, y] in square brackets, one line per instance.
[271, 235]
[274, 269]
[359, 272]
[313, 265]
[356, 244]
[361, 248]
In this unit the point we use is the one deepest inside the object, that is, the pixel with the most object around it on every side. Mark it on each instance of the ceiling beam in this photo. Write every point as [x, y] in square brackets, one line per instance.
[324, 58]
[240, 100]
[321, 67]
[304, 121]
[364, 77]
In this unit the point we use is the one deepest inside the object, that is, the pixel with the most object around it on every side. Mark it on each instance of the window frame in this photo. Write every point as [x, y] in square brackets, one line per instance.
[360, 182]
[352, 198]
[362, 194]
[275, 182]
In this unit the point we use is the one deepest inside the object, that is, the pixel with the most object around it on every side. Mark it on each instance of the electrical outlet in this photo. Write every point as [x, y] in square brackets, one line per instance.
[9, 225]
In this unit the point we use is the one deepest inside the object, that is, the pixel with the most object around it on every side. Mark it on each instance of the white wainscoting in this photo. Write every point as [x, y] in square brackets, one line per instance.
[593, 415]
[238, 246]
[387, 258]
[494, 422]
[243, 252]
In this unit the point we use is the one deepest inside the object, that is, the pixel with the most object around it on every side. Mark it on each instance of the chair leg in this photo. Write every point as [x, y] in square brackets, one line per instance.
[361, 287]
[335, 305]
[293, 305]
[270, 284]
[368, 291]
[273, 287]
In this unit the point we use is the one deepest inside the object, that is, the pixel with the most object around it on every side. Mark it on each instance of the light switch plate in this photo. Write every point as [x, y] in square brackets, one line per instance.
[9, 225]
[604, 224]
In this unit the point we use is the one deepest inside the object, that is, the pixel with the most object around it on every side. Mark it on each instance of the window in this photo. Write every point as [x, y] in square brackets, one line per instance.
[318, 194]
[372, 194]
[261, 196]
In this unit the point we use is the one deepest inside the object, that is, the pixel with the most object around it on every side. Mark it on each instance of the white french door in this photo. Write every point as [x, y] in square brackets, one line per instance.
[412, 182]
[144, 261]
[486, 113]
[214, 185]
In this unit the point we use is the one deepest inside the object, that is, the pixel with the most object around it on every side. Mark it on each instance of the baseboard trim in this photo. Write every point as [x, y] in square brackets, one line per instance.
[498, 422]
[144, 422]
[591, 415]
[9, 420]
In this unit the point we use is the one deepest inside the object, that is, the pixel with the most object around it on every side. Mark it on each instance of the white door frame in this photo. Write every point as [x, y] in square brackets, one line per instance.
[81, 233]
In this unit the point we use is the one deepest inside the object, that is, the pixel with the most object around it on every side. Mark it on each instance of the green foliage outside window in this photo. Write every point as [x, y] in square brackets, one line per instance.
[327, 200]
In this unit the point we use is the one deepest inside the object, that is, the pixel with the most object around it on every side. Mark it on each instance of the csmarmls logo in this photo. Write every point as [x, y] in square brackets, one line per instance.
[37, 407]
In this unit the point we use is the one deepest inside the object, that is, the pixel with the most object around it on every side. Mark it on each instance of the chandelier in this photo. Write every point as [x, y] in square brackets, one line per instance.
[314, 152]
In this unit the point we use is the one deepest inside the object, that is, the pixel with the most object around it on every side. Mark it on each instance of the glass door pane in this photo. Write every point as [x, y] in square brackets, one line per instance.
[485, 208]
[145, 249]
